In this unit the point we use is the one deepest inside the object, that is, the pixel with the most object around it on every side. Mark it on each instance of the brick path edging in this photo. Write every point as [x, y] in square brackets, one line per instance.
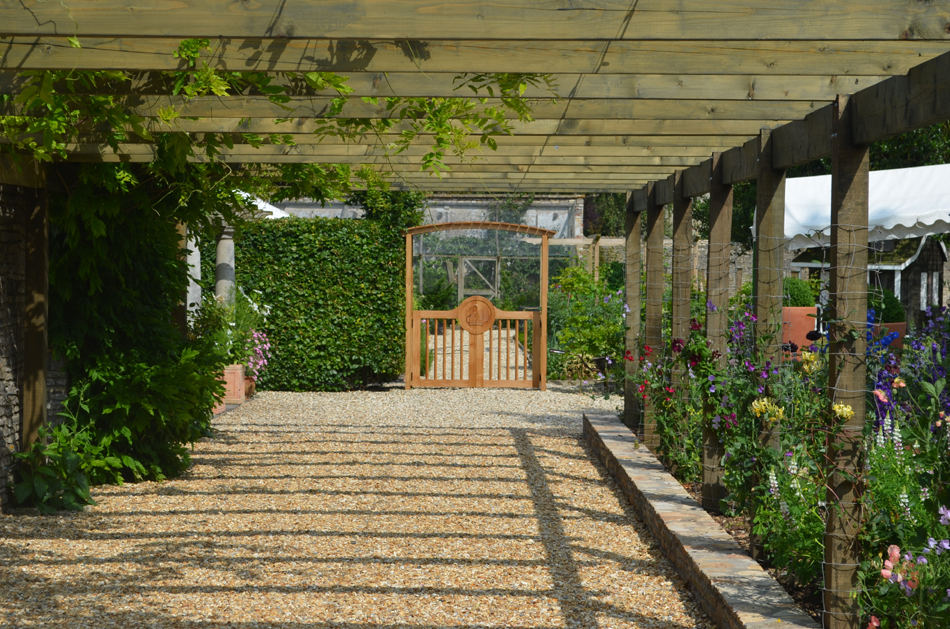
[733, 589]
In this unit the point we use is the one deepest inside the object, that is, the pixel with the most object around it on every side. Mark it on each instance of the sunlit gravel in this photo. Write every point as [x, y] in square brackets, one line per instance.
[397, 509]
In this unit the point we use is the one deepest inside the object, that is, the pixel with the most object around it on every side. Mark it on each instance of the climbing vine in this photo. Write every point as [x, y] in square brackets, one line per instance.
[141, 391]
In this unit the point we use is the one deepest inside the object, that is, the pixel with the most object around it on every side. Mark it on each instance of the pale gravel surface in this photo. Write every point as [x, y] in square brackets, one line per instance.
[504, 356]
[396, 509]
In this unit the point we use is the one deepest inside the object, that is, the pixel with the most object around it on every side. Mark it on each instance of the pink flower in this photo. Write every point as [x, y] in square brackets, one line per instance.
[875, 622]
[894, 553]
[881, 396]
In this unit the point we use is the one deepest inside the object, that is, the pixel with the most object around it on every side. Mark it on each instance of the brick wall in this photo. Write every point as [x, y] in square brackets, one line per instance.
[12, 300]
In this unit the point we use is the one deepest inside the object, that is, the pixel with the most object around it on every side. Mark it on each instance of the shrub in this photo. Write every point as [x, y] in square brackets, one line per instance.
[336, 297]
[797, 293]
[141, 390]
[49, 476]
[886, 305]
[586, 321]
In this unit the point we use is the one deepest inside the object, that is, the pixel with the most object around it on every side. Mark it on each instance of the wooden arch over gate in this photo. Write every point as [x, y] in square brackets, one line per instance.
[476, 317]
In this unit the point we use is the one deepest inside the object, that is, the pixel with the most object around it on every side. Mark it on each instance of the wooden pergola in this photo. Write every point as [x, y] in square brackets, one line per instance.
[665, 99]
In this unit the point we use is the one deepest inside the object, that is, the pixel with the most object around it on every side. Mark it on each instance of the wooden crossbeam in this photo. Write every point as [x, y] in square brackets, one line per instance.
[790, 57]
[503, 19]
[741, 163]
[575, 86]
[560, 145]
[521, 186]
[903, 103]
[543, 127]
[542, 151]
[697, 180]
[894, 106]
[802, 141]
[242, 107]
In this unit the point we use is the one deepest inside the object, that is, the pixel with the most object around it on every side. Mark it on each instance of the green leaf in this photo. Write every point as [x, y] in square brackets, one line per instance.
[74, 42]
[40, 488]
[23, 491]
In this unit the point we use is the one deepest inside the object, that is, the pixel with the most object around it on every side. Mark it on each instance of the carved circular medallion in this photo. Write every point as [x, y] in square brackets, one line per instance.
[476, 315]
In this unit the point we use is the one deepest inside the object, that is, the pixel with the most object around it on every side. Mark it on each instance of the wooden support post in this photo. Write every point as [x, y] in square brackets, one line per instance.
[846, 367]
[181, 310]
[632, 260]
[654, 306]
[409, 311]
[36, 321]
[543, 354]
[717, 320]
[595, 257]
[682, 272]
[768, 259]
[768, 263]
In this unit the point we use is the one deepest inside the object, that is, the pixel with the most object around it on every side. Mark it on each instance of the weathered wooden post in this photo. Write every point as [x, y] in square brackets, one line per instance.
[768, 266]
[846, 368]
[409, 306]
[682, 272]
[682, 258]
[654, 306]
[30, 178]
[180, 314]
[631, 405]
[717, 295]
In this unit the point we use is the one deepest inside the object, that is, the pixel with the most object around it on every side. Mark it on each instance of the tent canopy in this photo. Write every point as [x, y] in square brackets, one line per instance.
[903, 203]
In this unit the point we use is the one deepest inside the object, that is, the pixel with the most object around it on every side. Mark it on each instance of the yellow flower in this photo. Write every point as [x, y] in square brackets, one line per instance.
[843, 411]
[766, 406]
[810, 362]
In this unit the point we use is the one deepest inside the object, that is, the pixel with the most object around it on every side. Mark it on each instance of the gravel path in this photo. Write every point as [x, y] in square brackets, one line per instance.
[395, 509]
[505, 357]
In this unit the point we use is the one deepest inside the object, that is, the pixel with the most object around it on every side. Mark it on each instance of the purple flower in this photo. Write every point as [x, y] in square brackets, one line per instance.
[944, 515]
[712, 388]
[711, 306]
[712, 378]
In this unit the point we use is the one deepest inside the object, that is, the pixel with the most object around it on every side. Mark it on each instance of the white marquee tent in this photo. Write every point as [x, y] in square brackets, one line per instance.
[903, 203]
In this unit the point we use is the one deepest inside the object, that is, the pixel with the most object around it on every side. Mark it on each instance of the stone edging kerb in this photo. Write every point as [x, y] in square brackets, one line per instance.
[733, 589]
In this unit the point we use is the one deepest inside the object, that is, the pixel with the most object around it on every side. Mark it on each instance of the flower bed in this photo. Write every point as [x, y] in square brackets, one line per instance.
[773, 423]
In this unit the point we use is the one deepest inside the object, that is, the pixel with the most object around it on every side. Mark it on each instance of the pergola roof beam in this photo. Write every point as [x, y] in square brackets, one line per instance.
[502, 19]
[895, 106]
[601, 109]
[865, 57]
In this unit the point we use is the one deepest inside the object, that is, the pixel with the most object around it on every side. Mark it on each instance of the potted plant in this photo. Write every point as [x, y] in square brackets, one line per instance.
[799, 313]
[889, 315]
[258, 353]
[242, 318]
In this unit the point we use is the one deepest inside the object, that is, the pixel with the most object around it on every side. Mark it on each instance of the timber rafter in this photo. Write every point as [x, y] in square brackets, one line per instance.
[648, 91]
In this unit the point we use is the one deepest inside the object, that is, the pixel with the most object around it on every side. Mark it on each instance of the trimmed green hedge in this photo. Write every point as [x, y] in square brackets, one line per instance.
[336, 293]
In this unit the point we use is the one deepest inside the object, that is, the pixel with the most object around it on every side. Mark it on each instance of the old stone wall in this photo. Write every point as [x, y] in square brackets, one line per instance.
[740, 266]
[57, 387]
[13, 214]
[12, 303]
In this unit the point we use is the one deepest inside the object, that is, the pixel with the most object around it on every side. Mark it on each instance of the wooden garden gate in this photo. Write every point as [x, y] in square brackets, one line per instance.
[477, 345]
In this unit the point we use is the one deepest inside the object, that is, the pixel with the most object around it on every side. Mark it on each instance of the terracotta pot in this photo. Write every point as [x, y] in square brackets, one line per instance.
[900, 328]
[798, 322]
[234, 384]
[250, 387]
